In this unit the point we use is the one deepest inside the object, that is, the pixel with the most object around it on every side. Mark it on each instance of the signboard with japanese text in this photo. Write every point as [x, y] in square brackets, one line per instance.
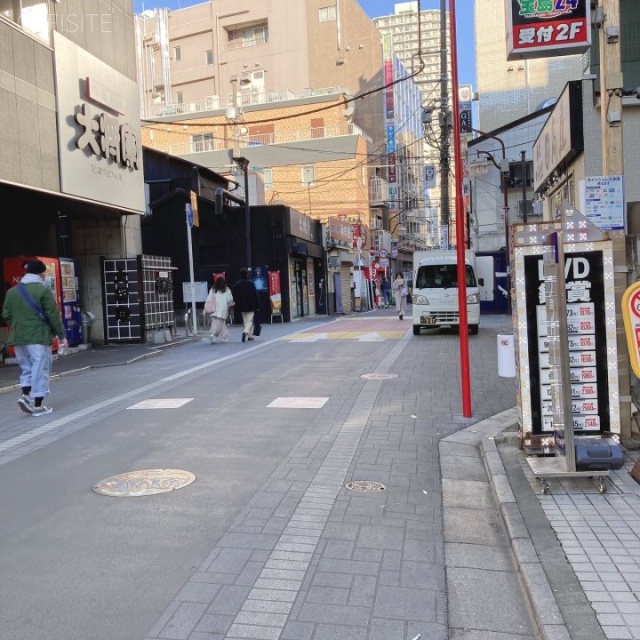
[562, 136]
[604, 201]
[547, 28]
[589, 292]
[98, 114]
[389, 108]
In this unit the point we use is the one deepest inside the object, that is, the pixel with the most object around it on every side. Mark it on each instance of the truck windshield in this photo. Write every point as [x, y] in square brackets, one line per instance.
[442, 276]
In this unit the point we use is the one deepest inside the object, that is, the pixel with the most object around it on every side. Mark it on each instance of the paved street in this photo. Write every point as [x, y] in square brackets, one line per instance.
[326, 505]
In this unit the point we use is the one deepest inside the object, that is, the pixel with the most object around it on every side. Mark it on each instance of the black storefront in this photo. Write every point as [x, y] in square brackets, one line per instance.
[219, 240]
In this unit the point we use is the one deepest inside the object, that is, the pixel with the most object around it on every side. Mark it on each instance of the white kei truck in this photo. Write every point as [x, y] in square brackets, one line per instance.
[435, 290]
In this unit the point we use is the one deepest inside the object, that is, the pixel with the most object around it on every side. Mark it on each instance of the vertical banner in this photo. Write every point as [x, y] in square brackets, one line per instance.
[275, 293]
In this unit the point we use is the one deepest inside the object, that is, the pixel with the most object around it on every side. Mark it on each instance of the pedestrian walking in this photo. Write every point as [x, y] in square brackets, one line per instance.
[34, 320]
[247, 302]
[220, 301]
[400, 293]
[385, 287]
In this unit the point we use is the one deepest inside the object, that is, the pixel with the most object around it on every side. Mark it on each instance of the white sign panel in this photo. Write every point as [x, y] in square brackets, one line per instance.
[554, 142]
[429, 176]
[98, 128]
[604, 201]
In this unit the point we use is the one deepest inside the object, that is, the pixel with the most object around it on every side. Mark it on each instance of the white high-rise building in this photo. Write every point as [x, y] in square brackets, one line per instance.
[413, 40]
[508, 90]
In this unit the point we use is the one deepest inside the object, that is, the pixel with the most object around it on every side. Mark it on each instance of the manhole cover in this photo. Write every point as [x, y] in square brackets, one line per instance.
[379, 376]
[365, 486]
[144, 483]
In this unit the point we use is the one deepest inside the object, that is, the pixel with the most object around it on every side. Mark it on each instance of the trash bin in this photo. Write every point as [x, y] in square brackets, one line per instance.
[506, 356]
[87, 321]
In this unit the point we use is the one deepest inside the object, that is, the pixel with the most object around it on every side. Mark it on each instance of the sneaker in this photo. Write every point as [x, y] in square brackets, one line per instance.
[250, 338]
[25, 404]
[41, 410]
[244, 336]
[225, 339]
[400, 316]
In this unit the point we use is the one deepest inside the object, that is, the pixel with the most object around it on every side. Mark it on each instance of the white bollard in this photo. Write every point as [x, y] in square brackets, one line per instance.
[506, 356]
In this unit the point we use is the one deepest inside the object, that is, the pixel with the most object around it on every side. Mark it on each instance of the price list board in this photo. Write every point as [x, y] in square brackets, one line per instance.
[591, 342]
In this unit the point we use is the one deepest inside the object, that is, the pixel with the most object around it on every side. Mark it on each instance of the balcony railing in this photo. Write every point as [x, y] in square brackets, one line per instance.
[241, 43]
[261, 139]
[246, 97]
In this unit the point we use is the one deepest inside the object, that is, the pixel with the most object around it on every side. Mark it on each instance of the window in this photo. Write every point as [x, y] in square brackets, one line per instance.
[202, 142]
[268, 179]
[177, 54]
[308, 175]
[32, 16]
[327, 14]
[179, 97]
[209, 56]
[249, 37]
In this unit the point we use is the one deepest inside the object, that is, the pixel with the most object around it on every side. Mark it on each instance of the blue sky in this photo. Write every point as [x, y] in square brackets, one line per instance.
[377, 8]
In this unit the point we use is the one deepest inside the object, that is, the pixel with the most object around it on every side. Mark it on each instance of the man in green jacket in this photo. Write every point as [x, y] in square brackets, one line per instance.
[32, 336]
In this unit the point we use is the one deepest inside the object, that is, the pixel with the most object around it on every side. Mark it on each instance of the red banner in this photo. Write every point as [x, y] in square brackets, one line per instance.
[275, 293]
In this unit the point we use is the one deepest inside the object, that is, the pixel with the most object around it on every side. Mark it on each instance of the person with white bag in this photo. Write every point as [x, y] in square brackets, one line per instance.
[219, 302]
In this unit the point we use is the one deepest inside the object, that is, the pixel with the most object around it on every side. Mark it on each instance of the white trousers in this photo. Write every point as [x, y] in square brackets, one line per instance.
[247, 318]
[34, 361]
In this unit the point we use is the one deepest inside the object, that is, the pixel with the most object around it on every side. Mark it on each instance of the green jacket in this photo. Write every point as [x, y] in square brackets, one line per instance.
[26, 326]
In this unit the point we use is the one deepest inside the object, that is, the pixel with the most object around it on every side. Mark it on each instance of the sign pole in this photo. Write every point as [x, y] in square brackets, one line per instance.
[189, 212]
[460, 223]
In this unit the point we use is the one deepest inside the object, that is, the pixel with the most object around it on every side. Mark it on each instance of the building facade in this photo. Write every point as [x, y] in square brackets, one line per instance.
[416, 41]
[509, 90]
[234, 53]
[71, 154]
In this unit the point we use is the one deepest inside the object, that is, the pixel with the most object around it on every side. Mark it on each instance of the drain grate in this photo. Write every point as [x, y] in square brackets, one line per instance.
[365, 486]
[146, 482]
[379, 376]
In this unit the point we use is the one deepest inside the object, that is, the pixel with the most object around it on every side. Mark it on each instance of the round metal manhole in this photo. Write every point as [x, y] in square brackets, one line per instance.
[146, 482]
[365, 486]
[379, 376]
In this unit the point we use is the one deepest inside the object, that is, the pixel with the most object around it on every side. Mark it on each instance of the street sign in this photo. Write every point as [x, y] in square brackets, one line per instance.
[372, 251]
[194, 206]
[189, 209]
[383, 253]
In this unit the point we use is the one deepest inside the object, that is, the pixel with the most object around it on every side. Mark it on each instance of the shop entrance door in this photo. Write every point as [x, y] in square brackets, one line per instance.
[302, 294]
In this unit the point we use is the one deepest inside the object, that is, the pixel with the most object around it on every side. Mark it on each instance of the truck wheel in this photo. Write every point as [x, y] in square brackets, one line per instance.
[473, 329]
[416, 330]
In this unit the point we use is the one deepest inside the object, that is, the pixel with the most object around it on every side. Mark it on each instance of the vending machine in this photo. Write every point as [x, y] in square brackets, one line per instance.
[61, 277]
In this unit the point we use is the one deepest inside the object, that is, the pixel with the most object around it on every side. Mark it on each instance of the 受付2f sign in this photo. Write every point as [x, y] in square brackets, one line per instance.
[546, 28]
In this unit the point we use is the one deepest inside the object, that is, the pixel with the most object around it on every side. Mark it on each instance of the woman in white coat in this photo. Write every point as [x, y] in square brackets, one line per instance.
[224, 301]
[400, 293]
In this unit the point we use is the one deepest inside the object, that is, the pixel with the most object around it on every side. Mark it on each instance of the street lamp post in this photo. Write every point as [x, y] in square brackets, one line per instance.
[243, 165]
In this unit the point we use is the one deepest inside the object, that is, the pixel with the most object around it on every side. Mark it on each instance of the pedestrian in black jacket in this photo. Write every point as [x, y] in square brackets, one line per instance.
[247, 302]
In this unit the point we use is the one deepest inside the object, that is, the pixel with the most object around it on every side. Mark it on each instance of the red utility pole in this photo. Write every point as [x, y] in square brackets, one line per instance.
[460, 245]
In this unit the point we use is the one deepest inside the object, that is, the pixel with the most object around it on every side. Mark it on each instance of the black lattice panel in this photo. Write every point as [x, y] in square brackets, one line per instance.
[157, 278]
[122, 300]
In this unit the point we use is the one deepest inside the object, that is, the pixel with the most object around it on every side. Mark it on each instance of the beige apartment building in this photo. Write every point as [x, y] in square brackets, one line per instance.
[509, 90]
[231, 54]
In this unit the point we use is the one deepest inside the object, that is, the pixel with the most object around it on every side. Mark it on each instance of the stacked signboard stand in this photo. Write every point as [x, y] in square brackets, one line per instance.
[565, 326]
